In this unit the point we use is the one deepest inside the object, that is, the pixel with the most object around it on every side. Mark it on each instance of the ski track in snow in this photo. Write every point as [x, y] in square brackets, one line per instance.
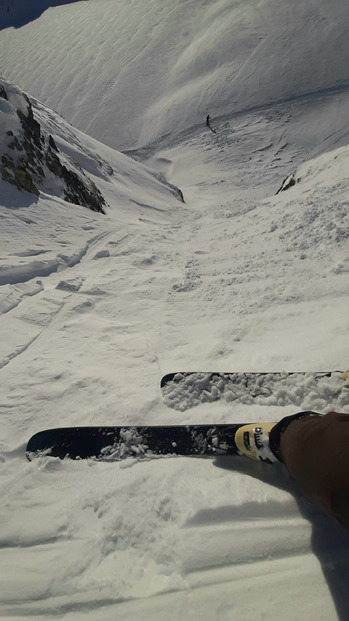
[26, 323]
[34, 269]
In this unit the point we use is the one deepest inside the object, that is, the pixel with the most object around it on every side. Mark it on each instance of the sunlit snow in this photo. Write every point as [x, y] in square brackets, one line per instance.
[96, 308]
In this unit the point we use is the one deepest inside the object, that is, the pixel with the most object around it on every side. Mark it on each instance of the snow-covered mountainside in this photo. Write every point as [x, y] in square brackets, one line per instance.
[127, 73]
[95, 308]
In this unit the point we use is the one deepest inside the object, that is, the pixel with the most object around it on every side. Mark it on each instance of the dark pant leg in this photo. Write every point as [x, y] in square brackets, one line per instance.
[315, 450]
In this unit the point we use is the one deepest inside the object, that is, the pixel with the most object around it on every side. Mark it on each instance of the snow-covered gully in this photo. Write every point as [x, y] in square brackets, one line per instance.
[96, 308]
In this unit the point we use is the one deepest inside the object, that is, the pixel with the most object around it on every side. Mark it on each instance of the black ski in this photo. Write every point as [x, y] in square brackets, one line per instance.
[116, 443]
[239, 376]
[187, 389]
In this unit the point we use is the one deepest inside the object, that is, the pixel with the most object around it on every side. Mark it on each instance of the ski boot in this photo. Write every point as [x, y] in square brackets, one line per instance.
[253, 441]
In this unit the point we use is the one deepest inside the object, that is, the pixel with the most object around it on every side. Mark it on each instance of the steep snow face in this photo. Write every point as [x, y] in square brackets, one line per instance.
[128, 72]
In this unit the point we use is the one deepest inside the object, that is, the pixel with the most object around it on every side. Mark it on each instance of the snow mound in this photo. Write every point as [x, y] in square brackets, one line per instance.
[324, 218]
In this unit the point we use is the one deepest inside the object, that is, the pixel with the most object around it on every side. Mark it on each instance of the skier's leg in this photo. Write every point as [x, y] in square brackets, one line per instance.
[315, 450]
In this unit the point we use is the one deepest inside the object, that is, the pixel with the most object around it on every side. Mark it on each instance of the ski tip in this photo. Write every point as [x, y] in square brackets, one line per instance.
[179, 376]
[167, 378]
[37, 445]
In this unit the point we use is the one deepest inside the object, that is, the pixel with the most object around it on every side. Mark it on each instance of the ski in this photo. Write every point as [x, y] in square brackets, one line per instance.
[116, 443]
[239, 377]
[187, 389]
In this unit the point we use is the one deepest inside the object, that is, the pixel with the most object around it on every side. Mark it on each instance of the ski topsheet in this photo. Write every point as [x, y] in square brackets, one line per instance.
[116, 443]
[185, 390]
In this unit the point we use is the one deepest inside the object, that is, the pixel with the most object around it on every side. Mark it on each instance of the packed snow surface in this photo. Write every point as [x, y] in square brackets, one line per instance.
[96, 308]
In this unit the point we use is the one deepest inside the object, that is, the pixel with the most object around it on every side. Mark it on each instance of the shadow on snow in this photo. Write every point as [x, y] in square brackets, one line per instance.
[329, 540]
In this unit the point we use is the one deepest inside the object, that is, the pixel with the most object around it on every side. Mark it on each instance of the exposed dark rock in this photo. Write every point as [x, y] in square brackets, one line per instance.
[17, 174]
[176, 191]
[40, 171]
[24, 180]
[6, 172]
[287, 183]
[30, 126]
[3, 92]
[77, 192]
[53, 163]
[15, 144]
[52, 143]
[33, 153]
[83, 193]
[180, 193]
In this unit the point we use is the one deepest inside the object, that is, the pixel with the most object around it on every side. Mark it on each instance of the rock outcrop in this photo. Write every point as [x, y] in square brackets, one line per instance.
[29, 157]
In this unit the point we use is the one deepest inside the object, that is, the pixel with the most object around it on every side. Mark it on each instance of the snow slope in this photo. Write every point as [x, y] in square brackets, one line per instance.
[237, 278]
[231, 280]
[44, 234]
[128, 72]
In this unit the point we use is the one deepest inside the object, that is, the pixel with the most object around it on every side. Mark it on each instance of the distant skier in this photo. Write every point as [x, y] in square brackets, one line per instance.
[208, 121]
[315, 450]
